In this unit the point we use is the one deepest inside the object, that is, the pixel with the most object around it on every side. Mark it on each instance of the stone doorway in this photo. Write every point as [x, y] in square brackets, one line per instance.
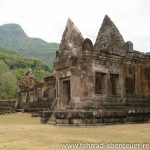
[114, 84]
[66, 92]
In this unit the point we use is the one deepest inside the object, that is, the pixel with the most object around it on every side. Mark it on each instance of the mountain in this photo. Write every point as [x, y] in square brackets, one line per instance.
[18, 64]
[13, 37]
[18, 53]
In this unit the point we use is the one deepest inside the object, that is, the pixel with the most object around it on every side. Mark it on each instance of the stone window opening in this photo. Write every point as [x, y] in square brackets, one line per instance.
[24, 97]
[100, 84]
[129, 86]
[114, 84]
[31, 97]
[45, 95]
[40, 96]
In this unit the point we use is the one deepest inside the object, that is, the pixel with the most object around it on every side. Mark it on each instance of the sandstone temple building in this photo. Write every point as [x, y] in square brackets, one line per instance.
[35, 96]
[104, 82]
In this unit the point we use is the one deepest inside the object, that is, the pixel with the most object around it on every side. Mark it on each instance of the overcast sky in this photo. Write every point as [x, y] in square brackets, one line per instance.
[46, 19]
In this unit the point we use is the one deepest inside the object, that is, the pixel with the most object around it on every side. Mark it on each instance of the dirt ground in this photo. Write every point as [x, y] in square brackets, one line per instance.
[20, 131]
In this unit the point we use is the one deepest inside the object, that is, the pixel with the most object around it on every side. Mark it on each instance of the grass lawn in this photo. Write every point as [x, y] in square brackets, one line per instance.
[20, 131]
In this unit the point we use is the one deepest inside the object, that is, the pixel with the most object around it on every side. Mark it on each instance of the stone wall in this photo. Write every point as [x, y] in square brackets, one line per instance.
[107, 82]
[37, 96]
[7, 106]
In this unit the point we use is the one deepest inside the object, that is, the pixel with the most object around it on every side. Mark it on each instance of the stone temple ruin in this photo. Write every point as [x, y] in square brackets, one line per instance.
[108, 82]
[35, 96]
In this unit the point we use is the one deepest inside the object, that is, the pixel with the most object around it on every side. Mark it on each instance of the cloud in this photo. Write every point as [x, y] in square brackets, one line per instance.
[47, 18]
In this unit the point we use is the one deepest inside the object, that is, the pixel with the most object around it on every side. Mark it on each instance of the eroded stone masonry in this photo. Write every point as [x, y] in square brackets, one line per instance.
[108, 82]
[36, 96]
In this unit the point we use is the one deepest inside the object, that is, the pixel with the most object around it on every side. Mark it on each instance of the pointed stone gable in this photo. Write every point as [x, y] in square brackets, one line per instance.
[109, 38]
[72, 39]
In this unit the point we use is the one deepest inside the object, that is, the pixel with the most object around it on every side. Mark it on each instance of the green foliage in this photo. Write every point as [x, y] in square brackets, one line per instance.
[8, 83]
[3, 67]
[12, 68]
[18, 73]
[18, 64]
[19, 53]
[14, 38]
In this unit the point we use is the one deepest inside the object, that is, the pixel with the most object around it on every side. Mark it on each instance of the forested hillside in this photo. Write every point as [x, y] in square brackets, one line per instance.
[13, 37]
[18, 53]
[20, 63]
[12, 68]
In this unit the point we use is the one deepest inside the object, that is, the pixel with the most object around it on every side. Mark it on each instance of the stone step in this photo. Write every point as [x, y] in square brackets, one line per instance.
[52, 120]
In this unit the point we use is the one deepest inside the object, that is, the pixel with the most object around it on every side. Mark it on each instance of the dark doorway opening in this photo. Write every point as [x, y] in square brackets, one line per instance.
[100, 83]
[129, 86]
[114, 79]
[66, 92]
